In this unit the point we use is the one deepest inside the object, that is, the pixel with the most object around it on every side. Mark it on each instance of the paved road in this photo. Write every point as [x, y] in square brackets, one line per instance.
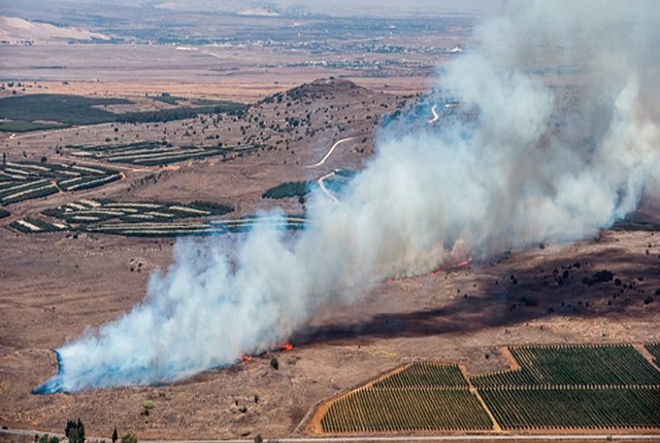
[343, 140]
[394, 438]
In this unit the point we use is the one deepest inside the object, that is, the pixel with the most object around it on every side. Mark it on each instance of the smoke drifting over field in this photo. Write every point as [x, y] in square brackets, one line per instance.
[515, 176]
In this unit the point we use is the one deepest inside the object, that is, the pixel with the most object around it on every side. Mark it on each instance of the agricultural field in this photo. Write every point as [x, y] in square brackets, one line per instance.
[21, 181]
[19, 126]
[618, 365]
[146, 219]
[421, 397]
[654, 349]
[57, 110]
[420, 375]
[150, 153]
[589, 386]
[581, 407]
[31, 225]
[66, 109]
[629, 225]
[145, 153]
[555, 387]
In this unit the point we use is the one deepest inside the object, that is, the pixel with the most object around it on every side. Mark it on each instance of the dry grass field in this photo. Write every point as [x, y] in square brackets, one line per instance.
[300, 101]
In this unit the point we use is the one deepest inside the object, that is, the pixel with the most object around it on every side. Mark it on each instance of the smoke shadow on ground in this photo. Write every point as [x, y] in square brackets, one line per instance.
[539, 292]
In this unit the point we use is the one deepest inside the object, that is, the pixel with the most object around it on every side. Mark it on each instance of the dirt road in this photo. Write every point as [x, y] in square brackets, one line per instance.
[329, 153]
[393, 438]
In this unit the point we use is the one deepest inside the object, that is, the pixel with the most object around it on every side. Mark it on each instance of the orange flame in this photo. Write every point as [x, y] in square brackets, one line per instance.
[287, 347]
[245, 357]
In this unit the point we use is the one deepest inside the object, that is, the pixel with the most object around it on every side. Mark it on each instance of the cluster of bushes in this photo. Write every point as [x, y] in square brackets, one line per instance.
[290, 189]
[41, 224]
[599, 277]
[167, 115]
[213, 208]
[75, 431]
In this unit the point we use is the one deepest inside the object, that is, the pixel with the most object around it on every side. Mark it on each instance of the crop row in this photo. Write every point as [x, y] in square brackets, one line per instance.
[176, 229]
[574, 365]
[425, 374]
[415, 409]
[574, 408]
[20, 191]
[96, 211]
[27, 180]
[32, 225]
[146, 153]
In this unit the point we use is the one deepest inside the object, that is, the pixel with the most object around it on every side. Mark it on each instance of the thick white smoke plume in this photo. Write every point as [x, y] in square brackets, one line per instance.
[521, 171]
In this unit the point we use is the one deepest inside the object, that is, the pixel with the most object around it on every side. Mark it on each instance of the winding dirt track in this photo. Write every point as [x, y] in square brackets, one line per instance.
[329, 153]
[436, 117]
[325, 190]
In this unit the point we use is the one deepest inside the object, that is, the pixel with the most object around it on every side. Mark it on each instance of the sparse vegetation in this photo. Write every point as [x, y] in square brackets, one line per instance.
[147, 407]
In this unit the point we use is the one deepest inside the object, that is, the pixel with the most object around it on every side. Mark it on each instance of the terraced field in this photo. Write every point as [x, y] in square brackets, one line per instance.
[150, 153]
[26, 180]
[422, 397]
[146, 219]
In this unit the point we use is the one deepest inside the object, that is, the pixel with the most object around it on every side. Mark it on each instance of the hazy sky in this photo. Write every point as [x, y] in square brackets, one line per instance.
[390, 8]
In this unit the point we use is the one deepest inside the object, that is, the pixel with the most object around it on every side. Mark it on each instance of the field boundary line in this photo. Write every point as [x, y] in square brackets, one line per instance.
[513, 363]
[475, 391]
[641, 348]
[314, 426]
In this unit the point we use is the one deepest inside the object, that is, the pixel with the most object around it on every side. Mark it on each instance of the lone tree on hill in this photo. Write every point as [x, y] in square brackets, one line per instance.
[115, 437]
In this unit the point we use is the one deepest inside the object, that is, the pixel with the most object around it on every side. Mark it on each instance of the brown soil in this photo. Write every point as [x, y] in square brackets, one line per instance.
[55, 286]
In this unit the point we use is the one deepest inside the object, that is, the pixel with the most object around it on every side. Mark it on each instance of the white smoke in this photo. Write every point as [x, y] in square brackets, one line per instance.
[522, 171]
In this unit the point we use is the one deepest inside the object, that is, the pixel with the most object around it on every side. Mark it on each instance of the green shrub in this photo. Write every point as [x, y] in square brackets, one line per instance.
[75, 431]
[290, 189]
[129, 438]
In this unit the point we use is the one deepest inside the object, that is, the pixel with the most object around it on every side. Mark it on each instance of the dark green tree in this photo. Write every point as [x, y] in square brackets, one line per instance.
[75, 431]
[115, 436]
